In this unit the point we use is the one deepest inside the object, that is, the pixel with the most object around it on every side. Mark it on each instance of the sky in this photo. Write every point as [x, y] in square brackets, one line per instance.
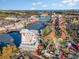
[38, 4]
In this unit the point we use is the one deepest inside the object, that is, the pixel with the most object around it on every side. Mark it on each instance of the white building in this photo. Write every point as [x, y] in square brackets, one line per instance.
[2, 29]
[12, 18]
[44, 14]
[10, 27]
[29, 39]
[19, 25]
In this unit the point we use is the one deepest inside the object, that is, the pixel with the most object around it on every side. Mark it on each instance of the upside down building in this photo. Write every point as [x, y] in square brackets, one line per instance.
[29, 40]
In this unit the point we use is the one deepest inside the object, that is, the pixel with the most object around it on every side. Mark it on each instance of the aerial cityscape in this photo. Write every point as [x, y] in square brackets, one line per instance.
[39, 29]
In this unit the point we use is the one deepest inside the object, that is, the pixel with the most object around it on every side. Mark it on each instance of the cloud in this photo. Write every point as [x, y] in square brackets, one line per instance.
[70, 2]
[34, 4]
[54, 4]
[41, 4]
[44, 5]
[32, 8]
[60, 5]
[57, 4]
[37, 3]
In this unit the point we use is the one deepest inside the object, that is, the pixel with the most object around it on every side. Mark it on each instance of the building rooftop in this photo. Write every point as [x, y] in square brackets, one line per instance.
[35, 26]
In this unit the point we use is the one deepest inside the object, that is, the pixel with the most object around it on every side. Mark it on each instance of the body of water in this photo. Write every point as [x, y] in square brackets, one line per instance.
[33, 26]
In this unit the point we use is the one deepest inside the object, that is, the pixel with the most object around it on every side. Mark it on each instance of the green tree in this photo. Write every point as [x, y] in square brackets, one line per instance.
[46, 30]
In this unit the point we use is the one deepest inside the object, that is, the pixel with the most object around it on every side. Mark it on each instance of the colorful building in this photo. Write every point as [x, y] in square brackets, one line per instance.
[29, 39]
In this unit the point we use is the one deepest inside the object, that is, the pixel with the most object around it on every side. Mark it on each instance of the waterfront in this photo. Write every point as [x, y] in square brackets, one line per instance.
[54, 39]
[16, 35]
